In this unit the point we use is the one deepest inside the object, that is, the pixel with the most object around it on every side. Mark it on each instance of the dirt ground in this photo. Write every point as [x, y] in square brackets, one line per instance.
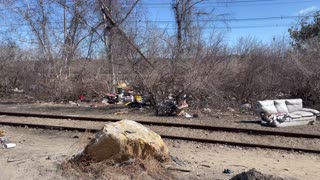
[39, 152]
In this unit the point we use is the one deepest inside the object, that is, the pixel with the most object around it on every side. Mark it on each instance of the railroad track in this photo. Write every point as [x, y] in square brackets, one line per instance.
[167, 136]
[168, 124]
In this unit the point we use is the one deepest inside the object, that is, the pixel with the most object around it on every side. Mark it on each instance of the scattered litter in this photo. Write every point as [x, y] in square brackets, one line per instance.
[230, 109]
[207, 110]
[167, 107]
[3, 140]
[122, 86]
[16, 90]
[187, 115]
[111, 98]
[181, 108]
[82, 98]
[9, 145]
[227, 171]
[135, 101]
[104, 101]
[73, 103]
[2, 132]
[204, 165]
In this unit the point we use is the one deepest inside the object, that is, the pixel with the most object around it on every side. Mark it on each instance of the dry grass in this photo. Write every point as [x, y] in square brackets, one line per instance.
[138, 169]
[148, 168]
[214, 78]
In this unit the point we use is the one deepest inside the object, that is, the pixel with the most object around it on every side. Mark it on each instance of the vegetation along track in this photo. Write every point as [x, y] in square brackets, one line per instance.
[165, 135]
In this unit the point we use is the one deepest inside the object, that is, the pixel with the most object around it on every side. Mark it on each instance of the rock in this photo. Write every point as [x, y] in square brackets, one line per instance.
[227, 171]
[122, 141]
[253, 174]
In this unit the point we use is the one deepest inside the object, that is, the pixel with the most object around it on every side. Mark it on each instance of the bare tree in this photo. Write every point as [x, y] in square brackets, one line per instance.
[184, 11]
[73, 28]
[37, 17]
[111, 26]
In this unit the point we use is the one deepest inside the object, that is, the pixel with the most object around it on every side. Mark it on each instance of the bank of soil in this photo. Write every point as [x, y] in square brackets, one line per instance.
[39, 152]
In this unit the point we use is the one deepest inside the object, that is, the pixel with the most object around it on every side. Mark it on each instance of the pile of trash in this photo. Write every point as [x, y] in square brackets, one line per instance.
[170, 107]
[4, 141]
[126, 95]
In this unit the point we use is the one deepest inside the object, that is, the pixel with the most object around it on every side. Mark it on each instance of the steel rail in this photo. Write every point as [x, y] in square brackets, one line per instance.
[185, 138]
[170, 124]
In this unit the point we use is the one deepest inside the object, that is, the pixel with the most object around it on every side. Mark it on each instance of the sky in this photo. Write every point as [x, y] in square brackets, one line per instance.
[277, 16]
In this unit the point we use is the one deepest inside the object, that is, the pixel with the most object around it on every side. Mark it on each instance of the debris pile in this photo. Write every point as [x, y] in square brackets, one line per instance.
[253, 174]
[170, 107]
[123, 141]
[126, 95]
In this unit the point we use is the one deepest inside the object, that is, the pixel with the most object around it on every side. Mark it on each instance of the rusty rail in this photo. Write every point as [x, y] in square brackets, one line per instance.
[170, 124]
